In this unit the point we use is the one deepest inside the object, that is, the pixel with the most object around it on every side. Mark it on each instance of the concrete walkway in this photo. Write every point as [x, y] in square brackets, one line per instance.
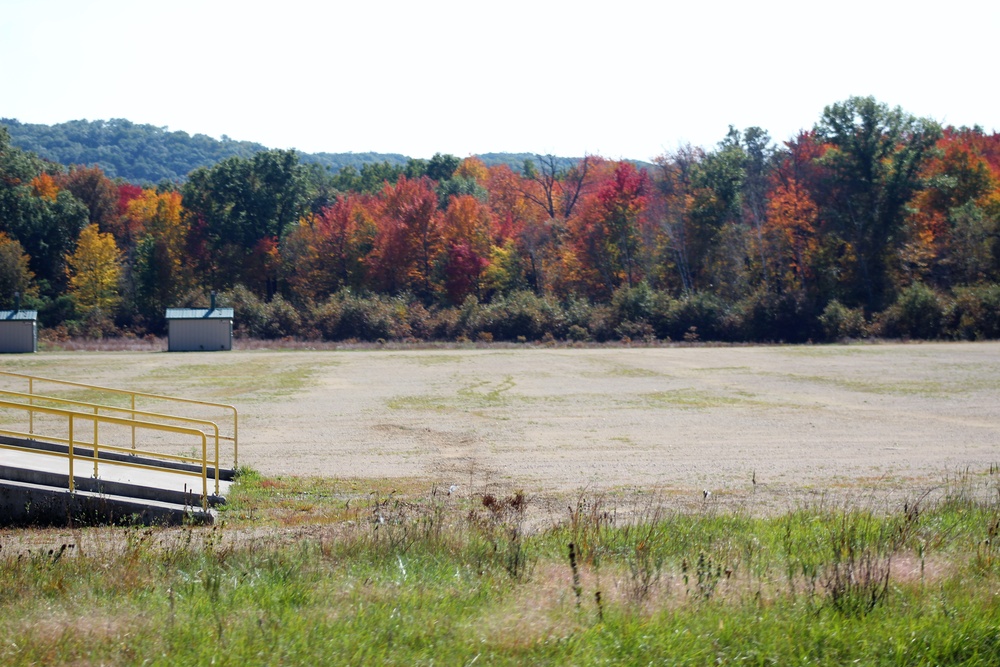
[111, 472]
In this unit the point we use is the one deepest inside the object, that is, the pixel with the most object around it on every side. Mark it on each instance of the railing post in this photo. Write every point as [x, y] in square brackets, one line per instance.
[236, 439]
[216, 460]
[95, 442]
[72, 486]
[31, 401]
[133, 419]
[204, 472]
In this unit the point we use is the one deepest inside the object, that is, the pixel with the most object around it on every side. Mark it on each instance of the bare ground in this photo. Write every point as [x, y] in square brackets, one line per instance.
[800, 421]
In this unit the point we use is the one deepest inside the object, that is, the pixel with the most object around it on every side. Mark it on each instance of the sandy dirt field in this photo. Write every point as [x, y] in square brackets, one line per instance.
[558, 421]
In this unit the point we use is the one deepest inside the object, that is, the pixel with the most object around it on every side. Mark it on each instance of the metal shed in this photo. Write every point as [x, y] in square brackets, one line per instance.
[18, 331]
[196, 329]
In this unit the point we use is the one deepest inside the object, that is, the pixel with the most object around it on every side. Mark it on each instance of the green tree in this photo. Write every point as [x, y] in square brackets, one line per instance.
[45, 226]
[875, 158]
[441, 167]
[240, 204]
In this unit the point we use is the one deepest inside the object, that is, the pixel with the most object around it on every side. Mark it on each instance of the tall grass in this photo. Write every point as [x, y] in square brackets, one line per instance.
[325, 572]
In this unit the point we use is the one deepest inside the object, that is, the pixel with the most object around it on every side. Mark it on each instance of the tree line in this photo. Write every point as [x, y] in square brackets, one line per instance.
[871, 223]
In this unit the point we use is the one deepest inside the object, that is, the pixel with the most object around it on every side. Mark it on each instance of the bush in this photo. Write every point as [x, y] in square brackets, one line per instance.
[419, 321]
[577, 334]
[371, 318]
[54, 312]
[444, 324]
[975, 313]
[786, 317]
[635, 331]
[706, 313]
[917, 313]
[633, 304]
[324, 318]
[601, 323]
[250, 314]
[520, 315]
[839, 322]
[281, 319]
[95, 324]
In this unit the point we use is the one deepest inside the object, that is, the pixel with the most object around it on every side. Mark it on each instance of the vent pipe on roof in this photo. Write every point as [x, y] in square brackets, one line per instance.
[212, 307]
[17, 302]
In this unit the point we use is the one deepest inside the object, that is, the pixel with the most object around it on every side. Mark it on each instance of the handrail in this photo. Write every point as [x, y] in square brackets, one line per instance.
[97, 407]
[139, 394]
[72, 442]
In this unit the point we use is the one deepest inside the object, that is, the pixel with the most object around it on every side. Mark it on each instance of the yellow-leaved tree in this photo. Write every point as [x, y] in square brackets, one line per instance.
[15, 276]
[94, 269]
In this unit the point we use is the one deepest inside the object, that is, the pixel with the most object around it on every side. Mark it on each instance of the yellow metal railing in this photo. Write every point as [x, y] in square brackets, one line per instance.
[150, 417]
[33, 380]
[72, 442]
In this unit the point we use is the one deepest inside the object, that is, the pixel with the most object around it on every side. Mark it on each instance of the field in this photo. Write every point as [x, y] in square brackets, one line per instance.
[510, 505]
[551, 421]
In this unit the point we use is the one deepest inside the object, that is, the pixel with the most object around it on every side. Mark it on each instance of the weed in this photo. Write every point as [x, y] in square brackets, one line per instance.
[501, 524]
[860, 551]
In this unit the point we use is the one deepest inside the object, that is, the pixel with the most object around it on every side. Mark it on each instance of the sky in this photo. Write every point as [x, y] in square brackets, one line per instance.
[623, 79]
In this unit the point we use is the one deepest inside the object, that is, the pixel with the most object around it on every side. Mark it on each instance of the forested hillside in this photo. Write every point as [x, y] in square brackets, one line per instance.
[873, 222]
[147, 155]
[136, 153]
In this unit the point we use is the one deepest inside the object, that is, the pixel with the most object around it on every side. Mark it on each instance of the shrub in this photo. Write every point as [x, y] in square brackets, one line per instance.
[576, 312]
[635, 331]
[633, 304]
[444, 324]
[370, 318]
[520, 314]
[95, 324]
[577, 333]
[771, 317]
[324, 318]
[601, 323]
[707, 313]
[57, 311]
[281, 319]
[249, 312]
[975, 313]
[838, 322]
[419, 321]
[917, 313]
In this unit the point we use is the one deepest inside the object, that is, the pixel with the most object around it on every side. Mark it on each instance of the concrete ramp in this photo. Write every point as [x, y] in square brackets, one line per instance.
[35, 489]
[65, 460]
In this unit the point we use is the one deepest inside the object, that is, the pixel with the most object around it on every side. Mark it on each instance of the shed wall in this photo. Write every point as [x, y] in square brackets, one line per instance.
[18, 336]
[198, 335]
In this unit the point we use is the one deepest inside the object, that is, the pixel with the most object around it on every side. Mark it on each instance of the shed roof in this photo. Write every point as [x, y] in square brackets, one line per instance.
[23, 315]
[199, 313]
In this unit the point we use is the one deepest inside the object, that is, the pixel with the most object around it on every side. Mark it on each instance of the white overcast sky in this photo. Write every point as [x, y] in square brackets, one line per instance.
[622, 79]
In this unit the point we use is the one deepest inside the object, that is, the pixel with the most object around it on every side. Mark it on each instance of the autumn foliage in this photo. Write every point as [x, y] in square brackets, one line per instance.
[749, 240]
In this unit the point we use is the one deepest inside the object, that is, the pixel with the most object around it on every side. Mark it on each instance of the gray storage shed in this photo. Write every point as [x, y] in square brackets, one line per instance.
[196, 329]
[18, 331]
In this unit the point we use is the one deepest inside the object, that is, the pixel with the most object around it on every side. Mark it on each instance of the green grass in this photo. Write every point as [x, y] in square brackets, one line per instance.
[695, 398]
[319, 571]
[253, 379]
[469, 396]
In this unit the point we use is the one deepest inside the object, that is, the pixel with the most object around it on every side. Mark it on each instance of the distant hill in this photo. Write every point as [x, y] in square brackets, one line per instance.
[146, 154]
[137, 153]
[516, 160]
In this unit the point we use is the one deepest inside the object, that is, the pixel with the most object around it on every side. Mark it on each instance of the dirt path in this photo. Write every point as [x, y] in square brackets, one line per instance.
[557, 420]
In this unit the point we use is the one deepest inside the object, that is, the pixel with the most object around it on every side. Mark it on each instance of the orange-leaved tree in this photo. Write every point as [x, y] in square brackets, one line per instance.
[326, 251]
[408, 237]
